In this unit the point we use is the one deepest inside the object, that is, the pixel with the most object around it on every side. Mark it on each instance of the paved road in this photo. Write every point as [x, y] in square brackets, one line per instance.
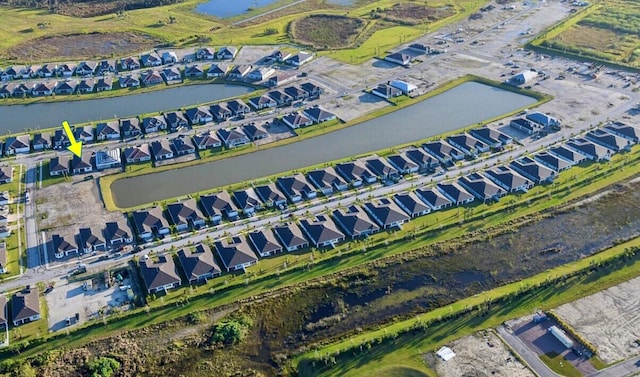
[629, 367]
[32, 247]
[530, 357]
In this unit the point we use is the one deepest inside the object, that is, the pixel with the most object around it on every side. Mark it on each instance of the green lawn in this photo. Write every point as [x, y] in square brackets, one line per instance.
[558, 364]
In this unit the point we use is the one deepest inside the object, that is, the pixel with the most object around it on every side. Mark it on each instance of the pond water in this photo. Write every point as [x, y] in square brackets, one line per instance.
[226, 8]
[47, 115]
[461, 106]
[345, 3]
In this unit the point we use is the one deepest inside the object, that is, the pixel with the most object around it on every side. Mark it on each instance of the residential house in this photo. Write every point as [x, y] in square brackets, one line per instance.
[60, 139]
[271, 195]
[61, 247]
[86, 68]
[261, 73]
[402, 164]
[4, 269]
[508, 179]
[128, 81]
[281, 78]
[171, 74]
[522, 77]
[247, 201]
[151, 77]
[543, 120]
[66, 70]
[232, 137]
[153, 124]
[86, 86]
[104, 84]
[151, 59]
[198, 115]
[21, 90]
[107, 159]
[424, 161]
[90, 241]
[84, 134]
[150, 222]
[296, 187]
[609, 140]
[355, 222]
[41, 141]
[59, 166]
[386, 213]
[570, 155]
[226, 53]
[593, 151]
[214, 206]
[318, 115]
[183, 145]
[264, 242]
[481, 187]
[433, 198]
[386, 91]
[326, 180]
[4, 314]
[443, 152]
[220, 112]
[130, 127]
[468, 144]
[47, 70]
[12, 72]
[80, 165]
[117, 232]
[552, 161]
[193, 71]
[278, 56]
[290, 236]
[380, 167]
[205, 53]
[169, 57]
[217, 70]
[6, 174]
[66, 87]
[239, 71]
[281, 98]
[17, 145]
[405, 87]
[6, 90]
[235, 253]
[28, 71]
[300, 58]
[626, 131]
[296, 120]
[525, 125]
[25, 306]
[4, 201]
[175, 120]
[108, 131]
[296, 93]
[322, 231]
[159, 275]
[411, 204]
[399, 58]
[254, 133]
[532, 170]
[355, 173]
[161, 150]
[137, 153]
[105, 66]
[238, 107]
[44, 89]
[454, 192]
[206, 141]
[186, 215]
[262, 102]
[198, 263]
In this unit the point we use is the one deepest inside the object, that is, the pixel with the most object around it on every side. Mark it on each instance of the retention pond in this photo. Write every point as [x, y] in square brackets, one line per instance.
[464, 105]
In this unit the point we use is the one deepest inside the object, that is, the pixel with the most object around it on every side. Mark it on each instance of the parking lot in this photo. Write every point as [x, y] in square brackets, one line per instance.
[90, 298]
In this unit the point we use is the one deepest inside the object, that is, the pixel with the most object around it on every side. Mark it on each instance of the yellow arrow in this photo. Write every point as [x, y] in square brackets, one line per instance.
[76, 146]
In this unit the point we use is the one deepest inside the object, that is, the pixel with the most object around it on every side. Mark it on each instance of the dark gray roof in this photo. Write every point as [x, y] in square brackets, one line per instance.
[607, 139]
[182, 212]
[115, 230]
[264, 242]
[25, 304]
[81, 162]
[235, 251]
[59, 164]
[410, 203]
[454, 191]
[295, 185]
[89, 238]
[325, 177]
[481, 187]
[290, 235]
[420, 157]
[440, 149]
[433, 197]
[466, 141]
[269, 193]
[380, 166]
[508, 177]
[147, 220]
[385, 211]
[182, 144]
[531, 169]
[253, 132]
[588, 147]
[217, 204]
[319, 114]
[321, 229]
[401, 163]
[246, 198]
[552, 161]
[161, 148]
[159, 273]
[353, 170]
[567, 154]
[355, 221]
[625, 130]
[198, 261]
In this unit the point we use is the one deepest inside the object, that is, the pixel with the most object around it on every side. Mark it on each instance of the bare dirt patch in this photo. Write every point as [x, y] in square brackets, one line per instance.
[324, 31]
[609, 319]
[417, 14]
[82, 46]
[481, 354]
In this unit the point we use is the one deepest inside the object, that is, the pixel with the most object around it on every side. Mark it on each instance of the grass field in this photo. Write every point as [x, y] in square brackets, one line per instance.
[323, 32]
[558, 364]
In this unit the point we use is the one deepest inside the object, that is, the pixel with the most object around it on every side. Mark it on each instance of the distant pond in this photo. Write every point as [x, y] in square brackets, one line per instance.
[230, 8]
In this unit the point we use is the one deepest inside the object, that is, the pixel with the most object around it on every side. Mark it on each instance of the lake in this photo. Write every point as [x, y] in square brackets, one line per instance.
[47, 115]
[226, 8]
[464, 105]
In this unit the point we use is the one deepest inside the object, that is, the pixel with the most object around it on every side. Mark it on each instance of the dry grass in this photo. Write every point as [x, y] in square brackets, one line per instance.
[324, 31]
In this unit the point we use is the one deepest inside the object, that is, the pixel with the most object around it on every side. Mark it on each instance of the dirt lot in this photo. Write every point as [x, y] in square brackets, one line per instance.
[417, 13]
[82, 46]
[609, 319]
[326, 31]
[478, 355]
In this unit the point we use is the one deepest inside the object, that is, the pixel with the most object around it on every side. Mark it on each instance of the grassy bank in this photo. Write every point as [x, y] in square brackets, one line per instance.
[311, 132]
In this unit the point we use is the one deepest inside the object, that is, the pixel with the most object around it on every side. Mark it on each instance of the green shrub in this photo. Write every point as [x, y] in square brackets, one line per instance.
[103, 367]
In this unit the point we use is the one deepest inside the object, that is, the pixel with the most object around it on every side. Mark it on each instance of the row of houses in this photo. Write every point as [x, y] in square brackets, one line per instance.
[394, 88]
[535, 122]
[87, 240]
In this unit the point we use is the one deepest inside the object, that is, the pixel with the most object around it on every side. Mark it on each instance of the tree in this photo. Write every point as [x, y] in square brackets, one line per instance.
[270, 31]
[103, 367]
[26, 370]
